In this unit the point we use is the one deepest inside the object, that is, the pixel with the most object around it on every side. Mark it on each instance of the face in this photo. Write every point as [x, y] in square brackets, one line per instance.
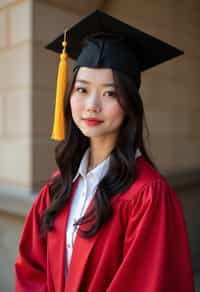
[94, 105]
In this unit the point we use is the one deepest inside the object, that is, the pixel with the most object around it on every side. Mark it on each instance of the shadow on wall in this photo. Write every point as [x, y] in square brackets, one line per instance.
[190, 199]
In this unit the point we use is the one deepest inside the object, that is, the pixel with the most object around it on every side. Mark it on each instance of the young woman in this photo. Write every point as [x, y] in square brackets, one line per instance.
[106, 220]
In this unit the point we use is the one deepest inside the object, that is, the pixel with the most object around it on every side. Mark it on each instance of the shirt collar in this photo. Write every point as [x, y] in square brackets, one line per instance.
[83, 165]
[138, 153]
[100, 170]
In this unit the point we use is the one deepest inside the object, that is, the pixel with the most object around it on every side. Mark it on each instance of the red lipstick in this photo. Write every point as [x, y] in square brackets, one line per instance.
[92, 122]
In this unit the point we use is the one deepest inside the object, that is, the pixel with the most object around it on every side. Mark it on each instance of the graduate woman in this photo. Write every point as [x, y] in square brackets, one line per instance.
[106, 220]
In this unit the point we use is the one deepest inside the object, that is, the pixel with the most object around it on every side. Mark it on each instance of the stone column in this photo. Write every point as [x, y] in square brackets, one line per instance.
[15, 93]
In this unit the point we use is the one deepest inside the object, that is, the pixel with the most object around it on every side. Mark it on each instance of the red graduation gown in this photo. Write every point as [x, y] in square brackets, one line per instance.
[143, 248]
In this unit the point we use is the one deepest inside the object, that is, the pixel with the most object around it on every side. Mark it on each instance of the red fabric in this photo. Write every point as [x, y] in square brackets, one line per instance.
[143, 248]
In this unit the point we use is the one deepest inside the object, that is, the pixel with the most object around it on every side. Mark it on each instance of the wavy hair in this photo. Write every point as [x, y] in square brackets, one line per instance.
[122, 168]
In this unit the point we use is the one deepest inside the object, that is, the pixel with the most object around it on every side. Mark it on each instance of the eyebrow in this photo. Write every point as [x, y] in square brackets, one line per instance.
[104, 84]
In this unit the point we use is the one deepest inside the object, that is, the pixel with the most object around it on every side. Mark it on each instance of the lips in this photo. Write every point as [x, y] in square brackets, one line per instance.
[92, 121]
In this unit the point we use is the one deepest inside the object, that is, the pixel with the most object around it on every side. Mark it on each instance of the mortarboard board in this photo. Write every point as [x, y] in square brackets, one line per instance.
[102, 41]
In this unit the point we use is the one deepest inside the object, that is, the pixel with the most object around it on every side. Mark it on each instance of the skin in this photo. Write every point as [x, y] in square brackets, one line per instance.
[94, 96]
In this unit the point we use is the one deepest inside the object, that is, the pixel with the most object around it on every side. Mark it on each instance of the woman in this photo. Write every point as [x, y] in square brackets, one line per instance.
[106, 220]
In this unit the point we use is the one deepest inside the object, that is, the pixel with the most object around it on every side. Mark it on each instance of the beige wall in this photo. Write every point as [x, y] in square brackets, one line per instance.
[170, 91]
[10, 228]
[15, 93]
[27, 89]
[48, 22]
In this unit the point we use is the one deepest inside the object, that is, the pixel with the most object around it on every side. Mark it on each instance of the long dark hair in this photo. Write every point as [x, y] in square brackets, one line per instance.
[122, 169]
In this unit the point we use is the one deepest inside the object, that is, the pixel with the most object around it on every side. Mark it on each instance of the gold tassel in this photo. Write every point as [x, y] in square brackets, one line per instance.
[58, 132]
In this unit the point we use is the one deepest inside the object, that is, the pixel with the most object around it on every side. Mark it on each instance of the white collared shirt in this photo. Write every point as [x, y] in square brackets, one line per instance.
[84, 193]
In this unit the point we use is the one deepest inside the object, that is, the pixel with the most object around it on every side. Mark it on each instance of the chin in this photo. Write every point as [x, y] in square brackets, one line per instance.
[92, 134]
[89, 135]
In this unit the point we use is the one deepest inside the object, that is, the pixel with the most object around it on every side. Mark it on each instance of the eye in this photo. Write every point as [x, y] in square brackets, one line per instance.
[81, 89]
[110, 93]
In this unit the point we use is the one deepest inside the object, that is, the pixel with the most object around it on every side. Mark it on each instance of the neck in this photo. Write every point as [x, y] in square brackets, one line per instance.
[98, 153]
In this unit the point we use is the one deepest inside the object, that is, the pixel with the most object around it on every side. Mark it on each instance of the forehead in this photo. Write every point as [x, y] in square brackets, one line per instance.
[95, 75]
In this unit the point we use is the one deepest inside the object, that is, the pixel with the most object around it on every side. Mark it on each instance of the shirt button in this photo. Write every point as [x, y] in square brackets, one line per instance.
[83, 194]
[68, 245]
[74, 220]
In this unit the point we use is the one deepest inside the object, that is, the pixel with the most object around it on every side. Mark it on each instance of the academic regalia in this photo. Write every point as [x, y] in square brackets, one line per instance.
[144, 247]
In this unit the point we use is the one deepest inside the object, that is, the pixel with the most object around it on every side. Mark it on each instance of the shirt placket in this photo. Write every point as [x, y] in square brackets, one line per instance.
[84, 200]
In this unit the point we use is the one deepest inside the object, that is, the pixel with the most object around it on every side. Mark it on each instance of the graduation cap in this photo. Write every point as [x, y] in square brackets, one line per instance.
[102, 41]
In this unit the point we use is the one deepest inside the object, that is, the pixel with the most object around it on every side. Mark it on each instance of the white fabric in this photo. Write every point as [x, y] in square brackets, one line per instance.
[84, 192]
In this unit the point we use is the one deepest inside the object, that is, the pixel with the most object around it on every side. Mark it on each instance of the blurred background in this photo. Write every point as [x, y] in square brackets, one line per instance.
[171, 95]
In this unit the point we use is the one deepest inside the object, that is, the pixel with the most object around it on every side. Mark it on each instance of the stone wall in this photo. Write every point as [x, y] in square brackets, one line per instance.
[27, 91]
[48, 22]
[15, 93]
[170, 91]
[10, 228]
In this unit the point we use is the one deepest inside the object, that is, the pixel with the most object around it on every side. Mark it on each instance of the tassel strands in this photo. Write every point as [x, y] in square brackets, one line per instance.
[58, 132]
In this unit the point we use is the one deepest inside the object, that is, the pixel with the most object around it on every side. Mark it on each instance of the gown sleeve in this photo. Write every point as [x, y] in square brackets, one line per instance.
[30, 264]
[156, 255]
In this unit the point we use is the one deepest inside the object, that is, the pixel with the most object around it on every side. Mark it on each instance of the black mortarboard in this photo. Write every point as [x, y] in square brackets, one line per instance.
[102, 41]
[117, 45]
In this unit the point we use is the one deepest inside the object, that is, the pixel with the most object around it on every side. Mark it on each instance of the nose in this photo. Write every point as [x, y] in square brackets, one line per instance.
[93, 103]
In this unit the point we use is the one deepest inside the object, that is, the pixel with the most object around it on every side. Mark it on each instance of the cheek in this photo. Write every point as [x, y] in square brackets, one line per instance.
[76, 105]
[115, 112]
